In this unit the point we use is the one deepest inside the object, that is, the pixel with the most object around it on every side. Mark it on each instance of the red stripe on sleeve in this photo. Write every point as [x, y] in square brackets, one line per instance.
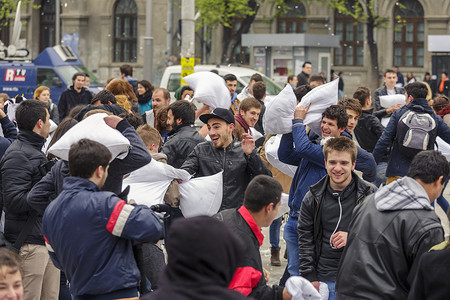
[244, 280]
[115, 215]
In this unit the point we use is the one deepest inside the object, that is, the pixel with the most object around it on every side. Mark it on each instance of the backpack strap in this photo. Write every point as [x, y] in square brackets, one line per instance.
[25, 232]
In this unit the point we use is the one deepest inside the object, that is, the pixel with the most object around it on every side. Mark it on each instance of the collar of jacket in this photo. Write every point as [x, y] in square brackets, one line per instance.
[367, 111]
[32, 138]
[78, 183]
[240, 120]
[243, 211]
[420, 102]
[318, 189]
[179, 128]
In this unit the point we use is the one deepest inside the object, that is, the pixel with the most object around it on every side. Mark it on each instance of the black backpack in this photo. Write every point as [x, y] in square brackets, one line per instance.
[416, 131]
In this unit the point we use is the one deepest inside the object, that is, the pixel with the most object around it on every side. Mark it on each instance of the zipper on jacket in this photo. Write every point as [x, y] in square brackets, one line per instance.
[363, 195]
[224, 157]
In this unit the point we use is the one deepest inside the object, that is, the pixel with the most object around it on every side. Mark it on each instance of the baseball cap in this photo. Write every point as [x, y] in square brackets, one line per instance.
[219, 113]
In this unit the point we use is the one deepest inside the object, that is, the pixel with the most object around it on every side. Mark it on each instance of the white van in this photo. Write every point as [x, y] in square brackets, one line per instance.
[172, 77]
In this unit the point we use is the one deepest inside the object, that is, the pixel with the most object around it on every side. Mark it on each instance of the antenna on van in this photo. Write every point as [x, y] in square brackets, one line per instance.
[11, 52]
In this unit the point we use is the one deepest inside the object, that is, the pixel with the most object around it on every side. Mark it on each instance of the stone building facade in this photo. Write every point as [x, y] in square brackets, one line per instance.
[111, 33]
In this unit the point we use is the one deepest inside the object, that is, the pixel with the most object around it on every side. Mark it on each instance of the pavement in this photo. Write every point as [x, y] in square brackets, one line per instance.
[277, 272]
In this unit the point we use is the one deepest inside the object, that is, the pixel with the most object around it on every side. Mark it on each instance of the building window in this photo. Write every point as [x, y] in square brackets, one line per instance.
[409, 34]
[241, 54]
[47, 24]
[125, 31]
[293, 21]
[351, 35]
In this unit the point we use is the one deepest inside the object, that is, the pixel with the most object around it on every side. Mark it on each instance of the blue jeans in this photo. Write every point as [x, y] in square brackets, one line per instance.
[291, 239]
[381, 174]
[274, 233]
[332, 293]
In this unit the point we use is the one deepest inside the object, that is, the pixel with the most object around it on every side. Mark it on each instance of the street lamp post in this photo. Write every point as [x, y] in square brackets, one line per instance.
[148, 42]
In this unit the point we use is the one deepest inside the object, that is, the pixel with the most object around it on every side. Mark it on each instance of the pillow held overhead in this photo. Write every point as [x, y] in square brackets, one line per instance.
[320, 99]
[93, 128]
[210, 89]
[280, 112]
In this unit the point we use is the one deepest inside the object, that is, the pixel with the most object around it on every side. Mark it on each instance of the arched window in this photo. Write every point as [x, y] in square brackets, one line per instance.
[294, 21]
[409, 34]
[351, 35]
[125, 31]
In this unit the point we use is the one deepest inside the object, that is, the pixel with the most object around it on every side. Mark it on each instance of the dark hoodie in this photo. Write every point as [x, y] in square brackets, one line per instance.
[202, 258]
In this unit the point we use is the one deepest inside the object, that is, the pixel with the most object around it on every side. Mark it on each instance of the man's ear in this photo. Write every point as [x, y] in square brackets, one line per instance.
[179, 121]
[341, 130]
[231, 126]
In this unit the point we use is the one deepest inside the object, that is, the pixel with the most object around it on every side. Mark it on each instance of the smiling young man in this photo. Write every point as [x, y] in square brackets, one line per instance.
[239, 161]
[306, 152]
[74, 95]
[247, 117]
[389, 88]
[326, 212]
[354, 111]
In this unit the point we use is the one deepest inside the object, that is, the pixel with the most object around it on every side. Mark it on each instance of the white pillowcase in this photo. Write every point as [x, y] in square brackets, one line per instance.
[201, 195]
[388, 101]
[280, 112]
[93, 128]
[209, 88]
[149, 184]
[320, 99]
[271, 149]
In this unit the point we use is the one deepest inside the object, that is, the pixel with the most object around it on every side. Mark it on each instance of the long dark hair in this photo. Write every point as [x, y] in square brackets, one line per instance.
[63, 127]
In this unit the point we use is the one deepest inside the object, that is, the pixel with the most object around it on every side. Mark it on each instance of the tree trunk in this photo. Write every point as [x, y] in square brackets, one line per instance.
[232, 41]
[373, 82]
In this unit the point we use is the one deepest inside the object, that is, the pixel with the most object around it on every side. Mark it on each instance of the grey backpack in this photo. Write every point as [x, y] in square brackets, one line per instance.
[416, 131]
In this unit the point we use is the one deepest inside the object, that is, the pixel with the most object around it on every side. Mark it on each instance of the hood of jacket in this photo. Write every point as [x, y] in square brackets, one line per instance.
[402, 194]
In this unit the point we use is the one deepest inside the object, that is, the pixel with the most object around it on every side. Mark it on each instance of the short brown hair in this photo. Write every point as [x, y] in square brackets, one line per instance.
[317, 78]
[352, 104]
[96, 111]
[341, 144]
[166, 93]
[362, 94]
[86, 156]
[249, 103]
[161, 118]
[439, 102]
[259, 89]
[122, 87]
[11, 260]
[149, 135]
[256, 77]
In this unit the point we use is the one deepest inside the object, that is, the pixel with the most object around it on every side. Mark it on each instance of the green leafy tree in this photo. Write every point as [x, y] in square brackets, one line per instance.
[7, 9]
[215, 13]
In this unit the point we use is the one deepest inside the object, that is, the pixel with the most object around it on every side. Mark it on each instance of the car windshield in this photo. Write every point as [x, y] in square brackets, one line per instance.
[271, 87]
[68, 71]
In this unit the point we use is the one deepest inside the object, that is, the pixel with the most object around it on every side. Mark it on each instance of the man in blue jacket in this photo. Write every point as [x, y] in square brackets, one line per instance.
[89, 233]
[398, 162]
[297, 149]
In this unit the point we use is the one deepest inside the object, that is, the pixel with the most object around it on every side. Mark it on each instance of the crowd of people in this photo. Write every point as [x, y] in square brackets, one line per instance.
[361, 221]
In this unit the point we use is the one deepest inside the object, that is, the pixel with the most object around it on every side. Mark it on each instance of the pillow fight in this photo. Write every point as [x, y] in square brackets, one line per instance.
[133, 193]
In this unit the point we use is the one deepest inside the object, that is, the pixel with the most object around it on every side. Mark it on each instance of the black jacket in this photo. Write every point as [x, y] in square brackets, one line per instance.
[309, 224]
[238, 169]
[180, 143]
[302, 78]
[249, 266]
[368, 130]
[22, 167]
[9, 134]
[383, 250]
[71, 98]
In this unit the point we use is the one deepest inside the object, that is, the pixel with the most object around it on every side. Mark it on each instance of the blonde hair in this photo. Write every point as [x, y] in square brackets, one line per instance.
[122, 101]
[149, 135]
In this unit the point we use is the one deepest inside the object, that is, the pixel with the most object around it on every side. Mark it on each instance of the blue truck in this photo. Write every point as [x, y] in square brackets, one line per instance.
[53, 68]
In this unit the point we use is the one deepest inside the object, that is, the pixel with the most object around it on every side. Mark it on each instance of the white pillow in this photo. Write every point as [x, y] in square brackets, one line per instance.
[201, 195]
[93, 128]
[280, 112]
[388, 101]
[443, 147]
[284, 206]
[302, 289]
[149, 184]
[209, 88]
[271, 149]
[320, 99]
